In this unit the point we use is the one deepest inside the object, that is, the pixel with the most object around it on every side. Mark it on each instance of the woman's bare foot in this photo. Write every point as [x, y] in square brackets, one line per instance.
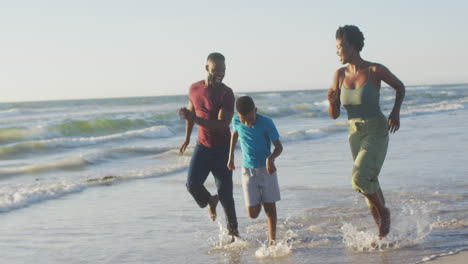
[385, 224]
[212, 203]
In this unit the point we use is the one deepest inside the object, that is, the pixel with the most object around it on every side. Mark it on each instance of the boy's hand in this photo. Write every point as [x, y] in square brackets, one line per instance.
[270, 165]
[230, 165]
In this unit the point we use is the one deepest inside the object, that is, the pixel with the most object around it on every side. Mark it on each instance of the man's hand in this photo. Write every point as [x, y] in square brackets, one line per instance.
[184, 146]
[230, 165]
[270, 166]
[394, 121]
[186, 114]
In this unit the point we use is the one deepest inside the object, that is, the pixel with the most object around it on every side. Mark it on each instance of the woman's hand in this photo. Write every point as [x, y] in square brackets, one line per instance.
[333, 95]
[394, 121]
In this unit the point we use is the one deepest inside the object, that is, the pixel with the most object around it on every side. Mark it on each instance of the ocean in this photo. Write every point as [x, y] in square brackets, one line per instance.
[101, 181]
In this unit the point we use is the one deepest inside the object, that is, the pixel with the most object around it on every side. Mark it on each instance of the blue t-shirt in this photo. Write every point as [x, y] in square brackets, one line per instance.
[255, 140]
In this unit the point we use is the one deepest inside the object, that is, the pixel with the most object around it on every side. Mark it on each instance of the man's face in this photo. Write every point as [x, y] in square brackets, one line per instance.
[216, 71]
[248, 119]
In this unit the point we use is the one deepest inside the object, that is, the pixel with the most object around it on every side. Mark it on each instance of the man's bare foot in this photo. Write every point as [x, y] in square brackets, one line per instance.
[212, 203]
[234, 234]
[271, 243]
[385, 224]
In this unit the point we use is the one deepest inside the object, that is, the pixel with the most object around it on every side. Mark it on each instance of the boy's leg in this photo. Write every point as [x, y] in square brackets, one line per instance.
[254, 210]
[270, 210]
[223, 180]
[197, 173]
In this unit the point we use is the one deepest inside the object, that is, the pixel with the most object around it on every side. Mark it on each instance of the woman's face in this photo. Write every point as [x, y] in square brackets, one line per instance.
[343, 50]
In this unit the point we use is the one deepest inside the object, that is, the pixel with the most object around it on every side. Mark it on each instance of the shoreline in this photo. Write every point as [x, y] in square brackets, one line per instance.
[448, 258]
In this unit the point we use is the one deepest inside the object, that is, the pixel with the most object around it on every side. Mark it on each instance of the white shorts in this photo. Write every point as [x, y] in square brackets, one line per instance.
[259, 186]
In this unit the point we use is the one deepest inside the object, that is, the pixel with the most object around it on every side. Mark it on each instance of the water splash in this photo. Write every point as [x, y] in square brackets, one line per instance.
[225, 241]
[280, 249]
[409, 227]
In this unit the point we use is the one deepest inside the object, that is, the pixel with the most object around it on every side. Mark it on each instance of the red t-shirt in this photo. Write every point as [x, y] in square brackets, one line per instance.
[207, 102]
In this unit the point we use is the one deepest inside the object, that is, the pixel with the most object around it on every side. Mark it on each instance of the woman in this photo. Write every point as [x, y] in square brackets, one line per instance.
[357, 87]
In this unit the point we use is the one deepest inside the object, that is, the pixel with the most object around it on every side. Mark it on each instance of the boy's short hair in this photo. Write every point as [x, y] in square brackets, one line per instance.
[215, 56]
[244, 105]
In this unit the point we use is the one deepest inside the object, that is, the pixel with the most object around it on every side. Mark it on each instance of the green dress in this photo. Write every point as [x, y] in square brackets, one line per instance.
[367, 134]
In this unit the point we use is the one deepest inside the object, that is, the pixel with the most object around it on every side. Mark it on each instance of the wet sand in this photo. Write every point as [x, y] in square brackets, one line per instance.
[458, 258]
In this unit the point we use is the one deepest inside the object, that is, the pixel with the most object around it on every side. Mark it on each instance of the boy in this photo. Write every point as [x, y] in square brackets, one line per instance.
[259, 179]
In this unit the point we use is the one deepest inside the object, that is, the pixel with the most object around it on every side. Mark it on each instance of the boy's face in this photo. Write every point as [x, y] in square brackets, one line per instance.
[248, 119]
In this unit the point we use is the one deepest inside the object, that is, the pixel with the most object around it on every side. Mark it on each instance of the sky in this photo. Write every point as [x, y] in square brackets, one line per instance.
[63, 49]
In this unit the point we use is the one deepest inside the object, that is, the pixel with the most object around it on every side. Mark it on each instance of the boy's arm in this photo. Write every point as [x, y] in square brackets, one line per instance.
[188, 129]
[270, 162]
[234, 138]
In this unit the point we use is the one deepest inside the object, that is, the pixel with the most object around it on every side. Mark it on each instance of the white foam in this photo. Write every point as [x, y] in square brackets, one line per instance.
[295, 135]
[323, 103]
[224, 240]
[14, 197]
[436, 256]
[280, 249]
[151, 132]
[272, 95]
[10, 112]
[18, 196]
[67, 163]
[409, 227]
[431, 108]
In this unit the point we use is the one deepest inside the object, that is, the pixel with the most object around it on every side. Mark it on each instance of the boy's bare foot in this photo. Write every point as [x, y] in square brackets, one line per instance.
[385, 224]
[212, 203]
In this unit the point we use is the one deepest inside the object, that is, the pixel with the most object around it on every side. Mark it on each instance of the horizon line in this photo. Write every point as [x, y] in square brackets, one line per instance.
[176, 94]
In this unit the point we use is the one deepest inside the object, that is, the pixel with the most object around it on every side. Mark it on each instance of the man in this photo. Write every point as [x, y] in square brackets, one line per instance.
[211, 107]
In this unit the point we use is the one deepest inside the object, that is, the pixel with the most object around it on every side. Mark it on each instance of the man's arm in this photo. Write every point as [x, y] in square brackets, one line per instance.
[234, 138]
[270, 162]
[188, 129]
[224, 119]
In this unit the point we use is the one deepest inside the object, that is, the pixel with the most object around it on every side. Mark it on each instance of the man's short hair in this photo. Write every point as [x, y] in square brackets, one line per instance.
[244, 105]
[215, 56]
[352, 35]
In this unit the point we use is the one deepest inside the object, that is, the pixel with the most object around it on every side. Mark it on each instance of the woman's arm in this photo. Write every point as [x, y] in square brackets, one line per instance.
[333, 96]
[389, 78]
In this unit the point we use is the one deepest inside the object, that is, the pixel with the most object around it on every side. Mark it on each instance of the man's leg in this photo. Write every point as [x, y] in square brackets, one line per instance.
[270, 210]
[197, 173]
[223, 179]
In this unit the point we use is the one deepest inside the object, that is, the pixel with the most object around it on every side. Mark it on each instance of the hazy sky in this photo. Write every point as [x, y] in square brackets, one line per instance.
[91, 49]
